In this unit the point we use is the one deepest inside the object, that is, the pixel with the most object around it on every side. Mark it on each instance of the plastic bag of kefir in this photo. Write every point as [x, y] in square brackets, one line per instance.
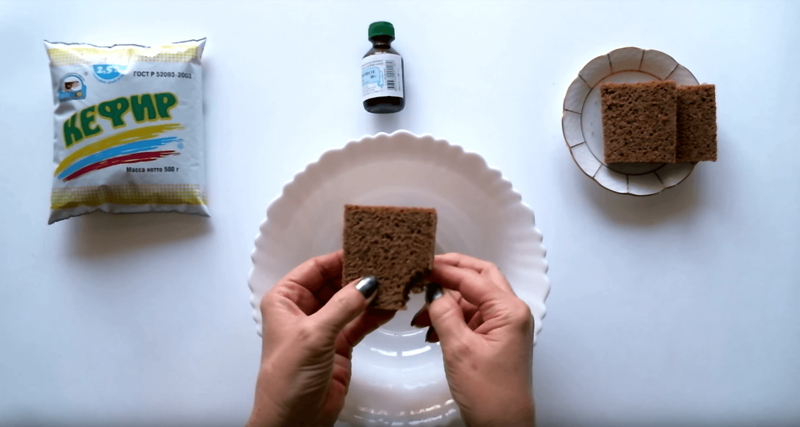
[128, 129]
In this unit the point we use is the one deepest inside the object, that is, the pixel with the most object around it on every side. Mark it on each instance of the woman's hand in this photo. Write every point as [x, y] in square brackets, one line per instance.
[310, 326]
[486, 334]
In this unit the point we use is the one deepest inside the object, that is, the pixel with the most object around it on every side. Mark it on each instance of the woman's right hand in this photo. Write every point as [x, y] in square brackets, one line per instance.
[486, 334]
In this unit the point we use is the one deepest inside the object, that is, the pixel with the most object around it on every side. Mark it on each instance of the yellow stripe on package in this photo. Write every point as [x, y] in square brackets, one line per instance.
[128, 129]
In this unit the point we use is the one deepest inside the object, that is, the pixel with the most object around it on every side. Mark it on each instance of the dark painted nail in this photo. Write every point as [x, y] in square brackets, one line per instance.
[429, 334]
[367, 286]
[433, 292]
[414, 319]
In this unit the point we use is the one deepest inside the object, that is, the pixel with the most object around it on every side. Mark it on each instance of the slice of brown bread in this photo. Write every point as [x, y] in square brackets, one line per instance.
[697, 124]
[394, 244]
[639, 121]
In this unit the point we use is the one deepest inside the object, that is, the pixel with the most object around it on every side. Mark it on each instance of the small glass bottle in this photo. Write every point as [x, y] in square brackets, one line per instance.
[382, 83]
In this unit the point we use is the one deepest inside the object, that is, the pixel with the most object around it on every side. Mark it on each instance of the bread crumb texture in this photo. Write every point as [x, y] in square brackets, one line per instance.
[639, 121]
[697, 124]
[394, 244]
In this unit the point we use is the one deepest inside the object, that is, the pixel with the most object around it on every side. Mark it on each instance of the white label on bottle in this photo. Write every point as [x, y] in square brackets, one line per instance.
[381, 75]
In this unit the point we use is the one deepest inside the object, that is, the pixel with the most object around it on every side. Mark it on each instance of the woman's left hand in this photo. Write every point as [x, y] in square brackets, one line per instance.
[310, 326]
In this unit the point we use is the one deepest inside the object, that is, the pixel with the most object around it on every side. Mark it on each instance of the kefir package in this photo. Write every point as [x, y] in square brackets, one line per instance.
[128, 129]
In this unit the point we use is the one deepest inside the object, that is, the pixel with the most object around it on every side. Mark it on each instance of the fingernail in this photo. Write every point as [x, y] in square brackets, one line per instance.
[429, 334]
[433, 292]
[367, 286]
[414, 319]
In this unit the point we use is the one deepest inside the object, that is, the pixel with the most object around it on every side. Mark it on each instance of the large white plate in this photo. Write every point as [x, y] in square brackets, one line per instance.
[397, 376]
[582, 121]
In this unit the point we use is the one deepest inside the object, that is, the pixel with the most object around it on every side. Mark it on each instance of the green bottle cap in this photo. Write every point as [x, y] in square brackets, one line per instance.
[381, 28]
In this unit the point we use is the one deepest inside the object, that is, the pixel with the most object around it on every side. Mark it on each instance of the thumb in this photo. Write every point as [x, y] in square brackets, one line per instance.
[446, 315]
[346, 305]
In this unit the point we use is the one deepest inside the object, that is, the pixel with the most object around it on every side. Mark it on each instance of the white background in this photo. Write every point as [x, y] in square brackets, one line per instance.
[677, 308]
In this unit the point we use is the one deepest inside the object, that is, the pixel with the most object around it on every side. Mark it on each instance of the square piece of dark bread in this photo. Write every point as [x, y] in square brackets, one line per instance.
[639, 121]
[394, 244]
[697, 124]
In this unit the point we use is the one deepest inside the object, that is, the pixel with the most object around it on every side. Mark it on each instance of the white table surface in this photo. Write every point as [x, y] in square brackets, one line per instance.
[676, 308]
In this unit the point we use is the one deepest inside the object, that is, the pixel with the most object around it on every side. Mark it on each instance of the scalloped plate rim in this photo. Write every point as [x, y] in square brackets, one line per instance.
[565, 111]
[453, 157]
[263, 227]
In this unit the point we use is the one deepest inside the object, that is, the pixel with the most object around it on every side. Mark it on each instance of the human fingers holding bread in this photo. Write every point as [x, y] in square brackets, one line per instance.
[310, 326]
[486, 335]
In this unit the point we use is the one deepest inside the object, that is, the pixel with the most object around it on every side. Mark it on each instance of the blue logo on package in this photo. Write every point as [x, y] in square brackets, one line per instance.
[372, 75]
[108, 73]
[71, 88]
